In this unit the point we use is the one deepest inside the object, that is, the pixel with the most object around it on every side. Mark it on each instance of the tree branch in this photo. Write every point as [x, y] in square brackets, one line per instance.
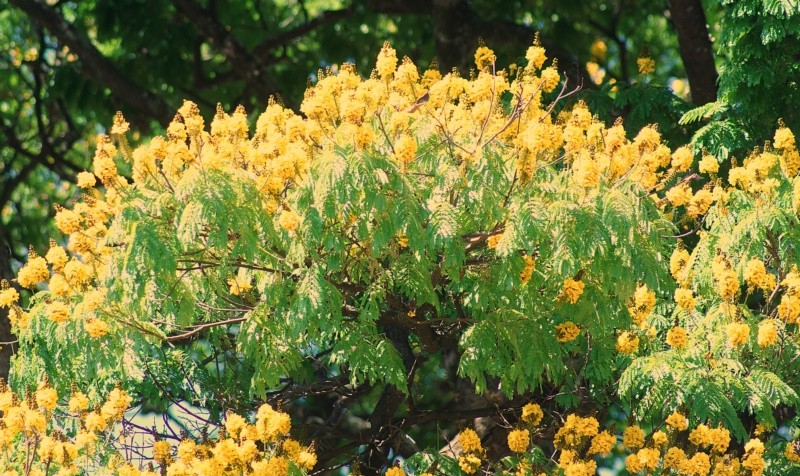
[252, 68]
[94, 63]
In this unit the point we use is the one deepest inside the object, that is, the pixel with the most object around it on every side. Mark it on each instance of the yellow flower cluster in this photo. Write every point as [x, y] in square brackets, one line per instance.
[627, 343]
[33, 441]
[679, 264]
[519, 440]
[789, 307]
[532, 414]
[756, 175]
[677, 337]
[790, 157]
[644, 300]
[527, 271]
[472, 449]
[685, 299]
[767, 333]
[567, 332]
[572, 290]
[31, 436]
[240, 450]
[8, 295]
[756, 276]
[703, 451]
[646, 65]
[738, 333]
[726, 278]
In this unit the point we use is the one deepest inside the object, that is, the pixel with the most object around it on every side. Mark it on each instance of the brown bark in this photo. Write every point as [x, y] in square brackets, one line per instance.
[6, 350]
[695, 47]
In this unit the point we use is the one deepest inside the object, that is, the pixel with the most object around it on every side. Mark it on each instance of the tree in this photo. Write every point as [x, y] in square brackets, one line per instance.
[412, 253]
[69, 66]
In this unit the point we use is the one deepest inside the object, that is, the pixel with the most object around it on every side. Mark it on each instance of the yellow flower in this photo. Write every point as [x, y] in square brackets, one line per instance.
[678, 263]
[226, 451]
[289, 220]
[572, 290]
[698, 465]
[684, 298]
[550, 79]
[679, 195]
[677, 337]
[405, 148]
[8, 296]
[162, 452]
[532, 413]
[234, 424]
[527, 271]
[567, 332]
[95, 422]
[238, 285]
[682, 159]
[47, 398]
[387, 61]
[602, 444]
[493, 240]
[34, 272]
[56, 256]
[727, 284]
[587, 172]
[767, 333]
[120, 126]
[484, 58]
[86, 180]
[633, 464]
[68, 221]
[535, 56]
[674, 458]
[96, 328]
[644, 301]
[519, 440]
[700, 203]
[719, 439]
[756, 276]
[307, 460]
[599, 49]
[633, 438]
[272, 424]
[659, 438]
[395, 471]
[649, 457]
[791, 451]
[646, 65]
[115, 405]
[708, 165]
[57, 312]
[627, 343]
[738, 333]
[469, 441]
[78, 402]
[469, 463]
[677, 421]
[784, 139]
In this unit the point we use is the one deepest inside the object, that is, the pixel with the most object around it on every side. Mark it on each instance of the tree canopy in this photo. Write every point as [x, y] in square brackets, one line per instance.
[501, 262]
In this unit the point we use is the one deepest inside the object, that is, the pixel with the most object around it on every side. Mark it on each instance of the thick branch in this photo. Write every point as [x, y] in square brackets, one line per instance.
[94, 63]
[264, 49]
[253, 67]
[695, 47]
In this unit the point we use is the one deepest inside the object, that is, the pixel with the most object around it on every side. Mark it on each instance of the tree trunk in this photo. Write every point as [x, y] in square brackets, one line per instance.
[695, 47]
[6, 350]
